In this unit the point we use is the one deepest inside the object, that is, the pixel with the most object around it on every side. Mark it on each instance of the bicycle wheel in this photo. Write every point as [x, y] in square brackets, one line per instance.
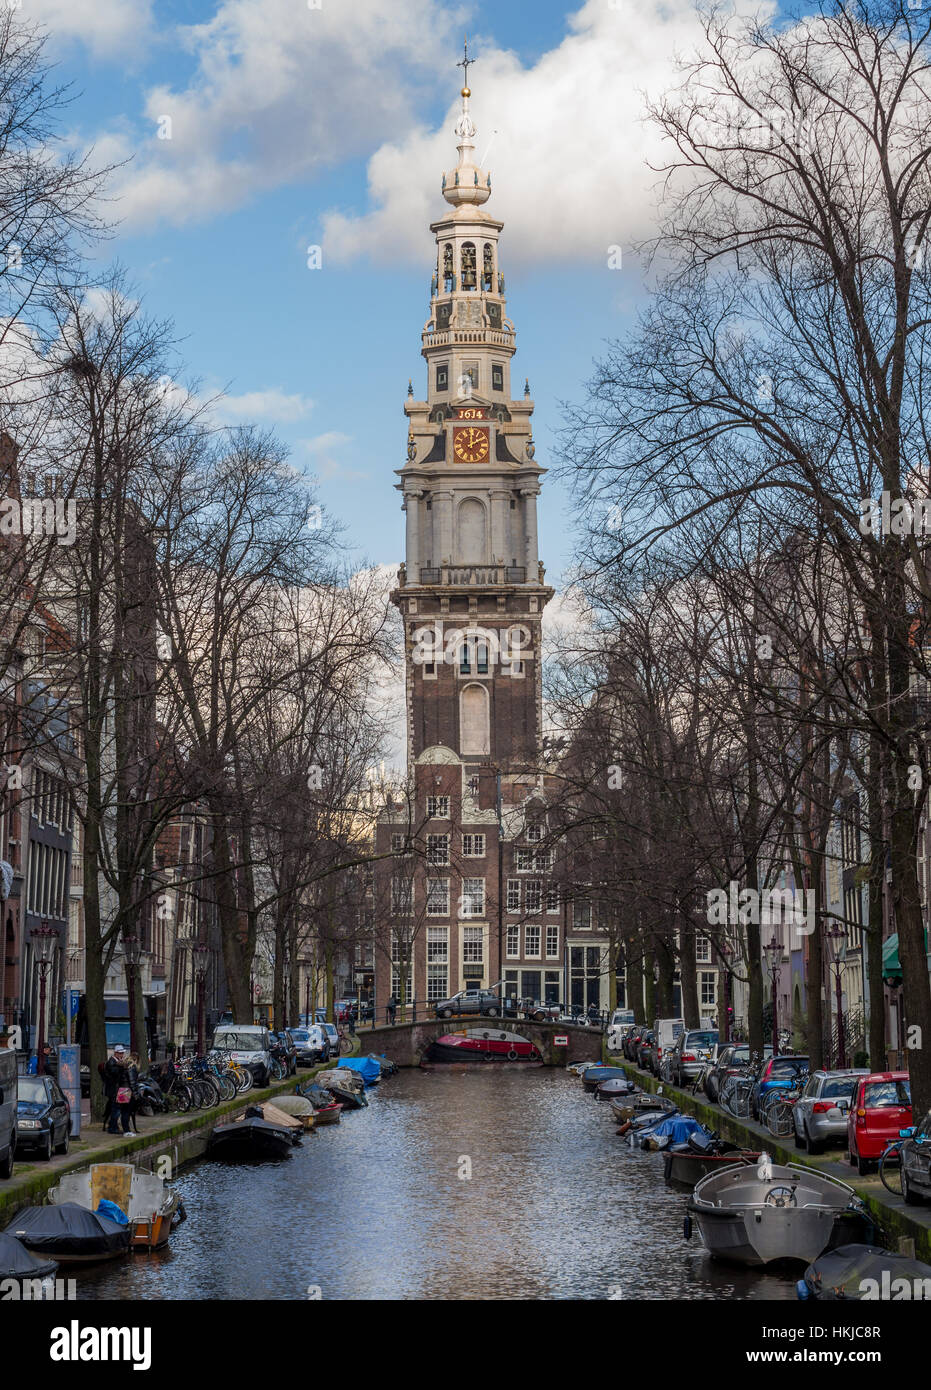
[212, 1090]
[227, 1087]
[180, 1097]
[247, 1081]
[726, 1095]
[890, 1170]
[779, 1119]
[275, 1070]
[740, 1103]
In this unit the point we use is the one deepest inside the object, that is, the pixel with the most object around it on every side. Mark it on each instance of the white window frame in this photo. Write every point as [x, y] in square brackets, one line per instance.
[438, 807]
[512, 937]
[472, 938]
[437, 888]
[438, 850]
[472, 888]
[533, 935]
[473, 846]
[552, 941]
[533, 895]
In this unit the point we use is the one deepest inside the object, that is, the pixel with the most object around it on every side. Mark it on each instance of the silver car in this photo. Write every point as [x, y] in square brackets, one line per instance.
[916, 1164]
[689, 1055]
[820, 1113]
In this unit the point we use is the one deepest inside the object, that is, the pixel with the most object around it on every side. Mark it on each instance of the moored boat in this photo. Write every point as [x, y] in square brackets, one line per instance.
[297, 1106]
[20, 1266]
[773, 1212]
[250, 1136]
[71, 1234]
[702, 1153]
[151, 1206]
[482, 1045]
[595, 1075]
[629, 1108]
[855, 1272]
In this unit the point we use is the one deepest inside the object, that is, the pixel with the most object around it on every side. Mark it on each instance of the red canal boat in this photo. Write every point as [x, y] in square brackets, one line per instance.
[481, 1045]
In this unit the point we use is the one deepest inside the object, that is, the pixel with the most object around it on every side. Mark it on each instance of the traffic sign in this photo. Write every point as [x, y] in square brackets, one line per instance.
[561, 1040]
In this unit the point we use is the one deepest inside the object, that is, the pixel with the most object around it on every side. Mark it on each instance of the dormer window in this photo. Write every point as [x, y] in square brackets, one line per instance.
[468, 276]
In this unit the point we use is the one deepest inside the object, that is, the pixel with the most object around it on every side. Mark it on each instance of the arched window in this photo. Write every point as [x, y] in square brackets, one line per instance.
[474, 736]
[488, 266]
[449, 277]
[468, 265]
[471, 546]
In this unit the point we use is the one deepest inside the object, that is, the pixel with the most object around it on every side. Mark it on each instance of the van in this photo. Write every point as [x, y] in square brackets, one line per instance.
[666, 1031]
[620, 1021]
[248, 1045]
[8, 1099]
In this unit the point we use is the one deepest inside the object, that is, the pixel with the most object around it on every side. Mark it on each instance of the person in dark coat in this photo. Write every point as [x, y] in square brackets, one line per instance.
[392, 1008]
[117, 1083]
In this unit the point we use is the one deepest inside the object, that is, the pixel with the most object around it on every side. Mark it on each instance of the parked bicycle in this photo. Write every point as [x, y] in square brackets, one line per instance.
[890, 1167]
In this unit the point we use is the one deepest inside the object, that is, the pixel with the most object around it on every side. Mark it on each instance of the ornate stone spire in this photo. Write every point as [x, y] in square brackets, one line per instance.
[467, 183]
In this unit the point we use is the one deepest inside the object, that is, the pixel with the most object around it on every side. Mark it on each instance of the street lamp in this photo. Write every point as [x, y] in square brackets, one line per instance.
[774, 953]
[837, 937]
[308, 964]
[132, 955]
[200, 952]
[44, 940]
[726, 951]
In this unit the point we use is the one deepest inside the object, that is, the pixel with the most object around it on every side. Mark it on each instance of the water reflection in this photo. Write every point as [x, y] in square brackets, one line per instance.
[557, 1207]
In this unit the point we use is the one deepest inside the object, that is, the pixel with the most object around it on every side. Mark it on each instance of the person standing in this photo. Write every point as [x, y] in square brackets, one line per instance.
[119, 1090]
[392, 1008]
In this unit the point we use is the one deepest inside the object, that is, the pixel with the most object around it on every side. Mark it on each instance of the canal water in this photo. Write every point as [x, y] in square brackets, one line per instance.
[490, 1183]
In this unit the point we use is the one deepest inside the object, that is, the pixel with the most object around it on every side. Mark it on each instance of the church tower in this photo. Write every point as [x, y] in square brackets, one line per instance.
[471, 588]
[462, 893]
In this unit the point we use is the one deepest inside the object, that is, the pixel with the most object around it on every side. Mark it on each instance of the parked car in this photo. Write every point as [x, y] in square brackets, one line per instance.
[8, 1079]
[312, 1045]
[43, 1116]
[620, 1017]
[284, 1043]
[916, 1164]
[689, 1053]
[820, 1113]
[644, 1050]
[476, 1001]
[332, 1037]
[248, 1045]
[617, 1035]
[665, 1032]
[882, 1106]
[729, 1058]
[631, 1041]
[539, 1012]
[774, 1073]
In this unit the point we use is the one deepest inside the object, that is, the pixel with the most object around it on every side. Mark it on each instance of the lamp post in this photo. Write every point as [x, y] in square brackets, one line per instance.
[132, 955]
[307, 963]
[726, 952]
[837, 937]
[200, 951]
[43, 944]
[773, 953]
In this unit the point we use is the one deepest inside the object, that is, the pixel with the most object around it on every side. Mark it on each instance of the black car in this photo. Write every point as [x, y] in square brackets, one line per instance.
[477, 1001]
[313, 1045]
[646, 1050]
[43, 1116]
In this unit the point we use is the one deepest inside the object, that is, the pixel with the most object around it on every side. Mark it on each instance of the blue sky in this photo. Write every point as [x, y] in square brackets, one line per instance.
[295, 124]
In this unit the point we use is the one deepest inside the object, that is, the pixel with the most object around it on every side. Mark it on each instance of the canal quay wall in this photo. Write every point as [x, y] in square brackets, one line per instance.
[907, 1229]
[405, 1043]
[180, 1139]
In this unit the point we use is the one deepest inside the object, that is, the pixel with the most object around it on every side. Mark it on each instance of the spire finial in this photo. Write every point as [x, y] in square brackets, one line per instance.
[464, 63]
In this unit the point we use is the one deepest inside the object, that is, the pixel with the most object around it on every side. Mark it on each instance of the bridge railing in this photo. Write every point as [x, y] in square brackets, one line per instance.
[419, 1012]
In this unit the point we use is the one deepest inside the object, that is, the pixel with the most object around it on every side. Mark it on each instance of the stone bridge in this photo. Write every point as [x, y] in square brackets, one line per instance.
[405, 1043]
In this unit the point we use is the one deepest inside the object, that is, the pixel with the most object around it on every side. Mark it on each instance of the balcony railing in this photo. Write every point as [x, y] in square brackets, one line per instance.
[473, 575]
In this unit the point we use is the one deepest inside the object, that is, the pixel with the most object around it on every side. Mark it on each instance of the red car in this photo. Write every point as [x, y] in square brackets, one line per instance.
[881, 1106]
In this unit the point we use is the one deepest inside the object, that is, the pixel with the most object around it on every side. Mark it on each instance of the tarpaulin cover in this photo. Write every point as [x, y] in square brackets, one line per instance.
[18, 1263]
[69, 1229]
[366, 1067]
[115, 1213]
[839, 1274]
[677, 1128]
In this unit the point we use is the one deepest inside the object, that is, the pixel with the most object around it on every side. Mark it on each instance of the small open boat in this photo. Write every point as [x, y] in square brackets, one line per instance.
[772, 1212]
[617, 1088]
[251, 1136]
[702, 1153]
[482, 1045]
[593, 1076]
[326, 1110]
[628, 1108]
[153, 1209]
[70, 1234]
[20, 1265]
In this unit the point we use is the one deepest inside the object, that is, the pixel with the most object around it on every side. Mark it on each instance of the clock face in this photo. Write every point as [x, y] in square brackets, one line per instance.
[470, 445]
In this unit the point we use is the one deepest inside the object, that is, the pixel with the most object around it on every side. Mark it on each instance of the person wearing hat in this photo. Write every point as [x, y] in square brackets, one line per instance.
[119, 1090]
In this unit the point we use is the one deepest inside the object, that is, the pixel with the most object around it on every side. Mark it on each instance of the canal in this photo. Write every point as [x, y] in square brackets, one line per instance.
[556, 1207]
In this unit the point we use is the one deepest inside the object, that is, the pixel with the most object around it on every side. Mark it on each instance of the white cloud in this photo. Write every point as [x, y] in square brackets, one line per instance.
[569, 149]
[281, 92]
[321, 452]
[109, 28]
[271, 404]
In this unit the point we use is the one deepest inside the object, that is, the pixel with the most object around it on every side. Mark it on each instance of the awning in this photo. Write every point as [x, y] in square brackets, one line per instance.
[892, 966]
